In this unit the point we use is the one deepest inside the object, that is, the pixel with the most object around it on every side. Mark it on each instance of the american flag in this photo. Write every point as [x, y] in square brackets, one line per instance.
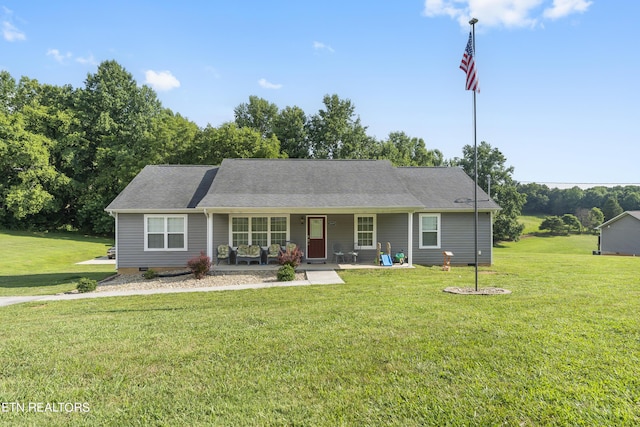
[468, 65]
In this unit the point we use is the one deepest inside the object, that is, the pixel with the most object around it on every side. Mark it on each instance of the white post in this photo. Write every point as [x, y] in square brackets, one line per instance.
[410, 238]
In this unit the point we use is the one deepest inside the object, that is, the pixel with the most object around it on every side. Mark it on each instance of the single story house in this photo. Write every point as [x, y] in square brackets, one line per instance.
[168, 214]
[620, 235]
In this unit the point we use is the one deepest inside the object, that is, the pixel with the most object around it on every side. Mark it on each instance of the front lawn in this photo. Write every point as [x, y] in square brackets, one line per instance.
[387, 348]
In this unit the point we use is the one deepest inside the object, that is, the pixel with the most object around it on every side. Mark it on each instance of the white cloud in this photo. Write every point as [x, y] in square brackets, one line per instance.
[504, 13]
[322, 46]
[90, 60]
[562, 8]
[11, 33]
[268, 85]
[161, 81]
[55, 53]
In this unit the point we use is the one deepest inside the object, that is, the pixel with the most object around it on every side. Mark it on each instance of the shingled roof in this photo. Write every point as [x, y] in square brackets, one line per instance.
[444, 188]
[299, 184]
[165, 187]
[304, 183]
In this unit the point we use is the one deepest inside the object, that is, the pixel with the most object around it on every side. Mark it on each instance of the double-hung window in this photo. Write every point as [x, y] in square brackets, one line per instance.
[365, 231]
[165, 232]
[429, 231]
[258, 230]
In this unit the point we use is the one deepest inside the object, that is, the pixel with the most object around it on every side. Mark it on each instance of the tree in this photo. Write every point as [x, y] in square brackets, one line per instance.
[571, 222]
[611, 208]
[565, 201]
[595, 218]
[27, 175]
[116, 117]
[537, 197]
[491, 162]
[554, 224]
[336, 132]
[258, 114]
[228, 141]
[631, 199]
[403, 150]
[290, 127]
[506, 225]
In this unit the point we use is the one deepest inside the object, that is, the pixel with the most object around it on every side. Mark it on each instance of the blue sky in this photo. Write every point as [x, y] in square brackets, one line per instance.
[559, 93]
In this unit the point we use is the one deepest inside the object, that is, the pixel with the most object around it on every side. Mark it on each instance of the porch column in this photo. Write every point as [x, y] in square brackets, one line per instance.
[209, 235]
[410, 237]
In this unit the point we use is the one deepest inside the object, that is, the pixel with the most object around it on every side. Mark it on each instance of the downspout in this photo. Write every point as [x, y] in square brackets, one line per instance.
[410, 238]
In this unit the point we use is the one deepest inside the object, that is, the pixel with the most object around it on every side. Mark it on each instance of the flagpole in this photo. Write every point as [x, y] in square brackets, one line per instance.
[475, 161]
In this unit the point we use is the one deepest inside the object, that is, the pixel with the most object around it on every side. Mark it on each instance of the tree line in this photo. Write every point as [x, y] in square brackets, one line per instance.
[589, 206]
[66, 152]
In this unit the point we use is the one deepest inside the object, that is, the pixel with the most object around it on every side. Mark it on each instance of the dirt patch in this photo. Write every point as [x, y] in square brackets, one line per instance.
[480, 291]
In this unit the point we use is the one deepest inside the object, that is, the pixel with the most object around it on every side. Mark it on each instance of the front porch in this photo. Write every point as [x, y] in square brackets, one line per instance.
[303, 267]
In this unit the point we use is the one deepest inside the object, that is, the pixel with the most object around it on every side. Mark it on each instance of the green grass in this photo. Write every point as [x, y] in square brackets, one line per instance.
[386, 348]
[531, 223]
[45, 263]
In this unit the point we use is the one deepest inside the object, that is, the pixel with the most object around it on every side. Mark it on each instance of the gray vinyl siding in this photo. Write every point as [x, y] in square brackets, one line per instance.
[220, 231]
[392, 228]
[457, 236]
[131, 253]
[621, 237]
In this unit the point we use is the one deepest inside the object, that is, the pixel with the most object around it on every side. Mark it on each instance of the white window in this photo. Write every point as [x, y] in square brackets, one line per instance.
[259, 230]
[365, 231]
[429, 231]
[165, 232]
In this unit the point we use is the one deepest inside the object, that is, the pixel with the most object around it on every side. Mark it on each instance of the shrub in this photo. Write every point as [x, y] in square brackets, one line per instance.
[86, 285]
[200, 265]
[286, 273]
[290, 257]
[150, 274]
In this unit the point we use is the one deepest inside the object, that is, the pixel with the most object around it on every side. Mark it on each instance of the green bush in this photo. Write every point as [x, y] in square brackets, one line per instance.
[86, 285]
[150, 274]
[286, 273]
[200, 265]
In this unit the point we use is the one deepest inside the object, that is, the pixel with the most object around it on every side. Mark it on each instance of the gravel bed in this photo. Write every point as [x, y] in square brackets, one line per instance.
[129, 282]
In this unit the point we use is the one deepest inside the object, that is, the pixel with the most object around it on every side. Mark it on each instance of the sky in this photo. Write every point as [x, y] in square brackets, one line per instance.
[558, 78]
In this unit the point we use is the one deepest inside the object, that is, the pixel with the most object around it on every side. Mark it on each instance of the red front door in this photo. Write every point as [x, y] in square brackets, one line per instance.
[316, 237]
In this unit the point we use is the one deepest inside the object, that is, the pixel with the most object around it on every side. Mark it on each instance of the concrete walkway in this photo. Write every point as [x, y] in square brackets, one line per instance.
[315, 277]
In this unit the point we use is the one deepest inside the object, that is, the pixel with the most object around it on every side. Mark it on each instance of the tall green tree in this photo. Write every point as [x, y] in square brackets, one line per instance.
[116, 118]
[611, 208]
[290, 127]
[337, 133]
[537, 197]
[228, 141]
[28, 179]
[258, 114]
[491, 163]
[596, 217]
[403, 150]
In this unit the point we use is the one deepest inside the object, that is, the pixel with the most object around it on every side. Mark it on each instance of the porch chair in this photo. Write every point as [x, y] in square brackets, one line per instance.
[273, 252]
[223, 252]
[354, 253]
[337, 252]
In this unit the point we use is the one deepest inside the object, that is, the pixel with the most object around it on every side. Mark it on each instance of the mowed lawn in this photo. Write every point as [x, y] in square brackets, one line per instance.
[386, 348]
[33, 263]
